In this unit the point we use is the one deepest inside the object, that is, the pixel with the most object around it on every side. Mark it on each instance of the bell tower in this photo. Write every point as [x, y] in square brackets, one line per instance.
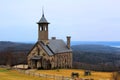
[42, 28]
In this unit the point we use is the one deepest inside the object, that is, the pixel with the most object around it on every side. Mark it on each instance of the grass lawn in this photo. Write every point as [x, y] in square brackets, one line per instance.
[67, 73]
[15, 75]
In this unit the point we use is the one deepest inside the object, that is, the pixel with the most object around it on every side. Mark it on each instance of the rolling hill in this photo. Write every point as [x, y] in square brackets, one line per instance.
[85, 54]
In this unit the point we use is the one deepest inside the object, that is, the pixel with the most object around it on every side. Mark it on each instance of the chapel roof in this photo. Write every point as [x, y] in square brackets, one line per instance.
[43, 20]
[55, 46]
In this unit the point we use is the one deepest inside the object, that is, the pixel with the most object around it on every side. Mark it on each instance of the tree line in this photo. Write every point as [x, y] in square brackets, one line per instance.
[11, 57]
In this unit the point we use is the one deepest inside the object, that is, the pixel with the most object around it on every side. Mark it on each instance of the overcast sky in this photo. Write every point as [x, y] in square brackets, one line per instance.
[83, 20]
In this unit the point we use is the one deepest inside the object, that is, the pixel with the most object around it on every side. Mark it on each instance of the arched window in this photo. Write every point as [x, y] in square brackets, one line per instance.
[45, 28]
[40, 28]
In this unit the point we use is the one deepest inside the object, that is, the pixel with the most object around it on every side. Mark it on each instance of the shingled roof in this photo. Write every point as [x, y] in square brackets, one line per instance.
[55, 46]
[43, 20]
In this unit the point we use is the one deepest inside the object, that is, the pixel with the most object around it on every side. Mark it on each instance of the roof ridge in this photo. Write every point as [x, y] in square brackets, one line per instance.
[50, 49]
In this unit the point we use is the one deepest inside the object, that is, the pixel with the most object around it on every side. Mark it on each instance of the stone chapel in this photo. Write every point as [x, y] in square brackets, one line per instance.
[49, 53]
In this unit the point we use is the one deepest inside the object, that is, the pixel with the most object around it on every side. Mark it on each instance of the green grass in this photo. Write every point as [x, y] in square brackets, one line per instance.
[6, 74]
[3, 70]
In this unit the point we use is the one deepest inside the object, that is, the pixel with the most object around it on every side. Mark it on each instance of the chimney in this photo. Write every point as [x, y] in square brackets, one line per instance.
[68, 42]
[53, 38]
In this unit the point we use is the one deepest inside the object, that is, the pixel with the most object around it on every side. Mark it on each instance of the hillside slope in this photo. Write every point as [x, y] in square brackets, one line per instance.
[93, 48]
[98, 57]
[96, 54]
[15, 46]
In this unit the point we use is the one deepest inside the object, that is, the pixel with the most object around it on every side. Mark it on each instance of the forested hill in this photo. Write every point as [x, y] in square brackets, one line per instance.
[84, 56]
[79, 48]
[93, 48]
[96, 57]
[15, 46]
[95, 54]
[84, 48]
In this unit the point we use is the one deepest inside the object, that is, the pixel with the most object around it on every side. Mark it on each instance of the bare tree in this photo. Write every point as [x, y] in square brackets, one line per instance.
[9, 57]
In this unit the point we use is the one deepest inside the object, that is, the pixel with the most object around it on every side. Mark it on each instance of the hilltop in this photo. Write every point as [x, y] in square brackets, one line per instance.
[15, 45]
[95, 48]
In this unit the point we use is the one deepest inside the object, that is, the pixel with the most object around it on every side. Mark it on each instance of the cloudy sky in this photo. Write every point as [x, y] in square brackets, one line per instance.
[83, 20]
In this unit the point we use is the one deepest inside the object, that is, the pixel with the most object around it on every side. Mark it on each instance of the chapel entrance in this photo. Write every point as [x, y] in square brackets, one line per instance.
[36, 62]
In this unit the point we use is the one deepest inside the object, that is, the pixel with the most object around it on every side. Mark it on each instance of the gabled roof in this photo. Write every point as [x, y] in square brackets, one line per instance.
[45, 47]
[58, 46]
[55, 46]
[43, 20]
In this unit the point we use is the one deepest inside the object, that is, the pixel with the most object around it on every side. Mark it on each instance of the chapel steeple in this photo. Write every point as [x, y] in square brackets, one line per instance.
[43, 28]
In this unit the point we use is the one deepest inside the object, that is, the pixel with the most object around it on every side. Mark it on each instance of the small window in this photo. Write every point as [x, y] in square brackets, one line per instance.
[40, 29]
[45, 29]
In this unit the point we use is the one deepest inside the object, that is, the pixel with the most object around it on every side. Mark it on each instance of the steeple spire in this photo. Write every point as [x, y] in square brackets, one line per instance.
[43, 28]
[43, 19]
[42, 11]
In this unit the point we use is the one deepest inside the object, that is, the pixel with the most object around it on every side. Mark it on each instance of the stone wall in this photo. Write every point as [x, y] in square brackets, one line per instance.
[37, 51]
[63, 60]
[59, 60]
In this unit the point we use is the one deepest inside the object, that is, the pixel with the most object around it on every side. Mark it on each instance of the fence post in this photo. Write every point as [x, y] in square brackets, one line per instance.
[62, 77]
[24, 71]
[46, 76]
[33, 74]
[54, 77]
[28, 73]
